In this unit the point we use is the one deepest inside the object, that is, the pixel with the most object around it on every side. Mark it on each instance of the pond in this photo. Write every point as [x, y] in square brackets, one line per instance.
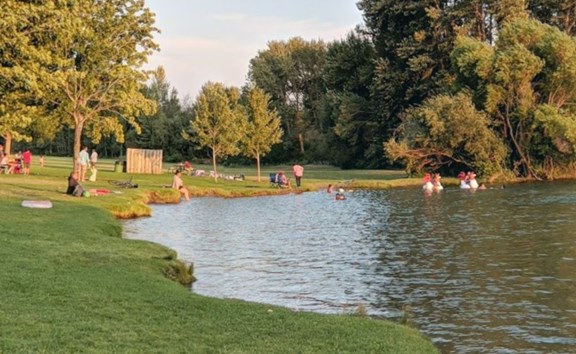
[489, 271]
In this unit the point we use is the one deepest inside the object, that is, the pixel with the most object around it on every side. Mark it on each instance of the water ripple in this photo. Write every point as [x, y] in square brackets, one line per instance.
[490, 271]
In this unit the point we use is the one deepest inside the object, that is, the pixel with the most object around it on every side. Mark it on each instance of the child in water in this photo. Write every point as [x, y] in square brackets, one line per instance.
[340, 195]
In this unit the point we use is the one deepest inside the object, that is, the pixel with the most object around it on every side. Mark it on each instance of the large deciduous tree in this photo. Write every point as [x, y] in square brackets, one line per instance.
[20, 25]
[291, 72]
[527, 84]
[93, 73]
[263, 129]
[447, 131]
[219, 122]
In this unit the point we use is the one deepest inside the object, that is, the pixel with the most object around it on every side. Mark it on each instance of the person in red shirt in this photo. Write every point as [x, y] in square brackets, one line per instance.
[298, 171]
[27, 161]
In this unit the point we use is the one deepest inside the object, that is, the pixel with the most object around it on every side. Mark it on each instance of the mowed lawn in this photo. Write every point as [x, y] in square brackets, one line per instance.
[70, 283]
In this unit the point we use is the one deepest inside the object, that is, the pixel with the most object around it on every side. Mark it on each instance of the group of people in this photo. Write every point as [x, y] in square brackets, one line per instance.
[282, 181]
[468, 181]
[85, 160]
[20, 164]
[431, 182]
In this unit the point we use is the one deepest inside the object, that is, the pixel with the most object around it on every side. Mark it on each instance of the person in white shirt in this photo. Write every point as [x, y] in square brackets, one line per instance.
[93, 159]
[178, 184]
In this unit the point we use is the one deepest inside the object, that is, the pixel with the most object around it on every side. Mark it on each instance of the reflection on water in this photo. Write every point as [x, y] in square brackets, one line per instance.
[487, 271]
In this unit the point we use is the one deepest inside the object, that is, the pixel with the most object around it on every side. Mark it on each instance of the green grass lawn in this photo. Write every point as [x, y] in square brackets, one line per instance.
[70, 283]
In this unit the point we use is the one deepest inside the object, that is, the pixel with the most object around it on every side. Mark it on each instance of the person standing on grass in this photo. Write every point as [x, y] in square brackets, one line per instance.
[83, 161]
[298, 171]
[93, 159]
[178, 184]
[93, 169]
[26, 161]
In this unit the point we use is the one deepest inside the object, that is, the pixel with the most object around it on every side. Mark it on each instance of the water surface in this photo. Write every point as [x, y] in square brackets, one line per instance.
[478, 272]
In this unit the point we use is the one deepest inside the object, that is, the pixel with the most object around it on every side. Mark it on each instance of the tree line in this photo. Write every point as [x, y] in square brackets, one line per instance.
[439, 85]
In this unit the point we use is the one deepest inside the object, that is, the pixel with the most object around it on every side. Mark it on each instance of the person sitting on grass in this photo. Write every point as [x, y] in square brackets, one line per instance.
[74, 187]
[178, 184]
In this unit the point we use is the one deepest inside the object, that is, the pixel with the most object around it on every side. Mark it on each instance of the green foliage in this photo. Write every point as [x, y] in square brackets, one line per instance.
[220, 121]
[558, 13]
[291, 73]
[93, 66]
[348, 74]
[162, 130]
[263, 126]
[527, 84]
[19, 56]
[447, 131]
[413, 41]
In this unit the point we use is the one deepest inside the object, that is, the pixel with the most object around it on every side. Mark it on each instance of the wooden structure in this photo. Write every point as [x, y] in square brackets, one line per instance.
[144, 161]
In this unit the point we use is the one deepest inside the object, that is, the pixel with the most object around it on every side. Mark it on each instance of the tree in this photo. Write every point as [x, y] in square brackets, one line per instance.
[348, 75]
[162, 130]
[19, 55]
[413, 40]
[219, 122]
[93, 74]
[291, 73]
[559, 13]
[263, 128]
[527, 84]
[444, 131]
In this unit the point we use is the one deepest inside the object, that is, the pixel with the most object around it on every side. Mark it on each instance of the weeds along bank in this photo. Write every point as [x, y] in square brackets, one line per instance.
[71, 283]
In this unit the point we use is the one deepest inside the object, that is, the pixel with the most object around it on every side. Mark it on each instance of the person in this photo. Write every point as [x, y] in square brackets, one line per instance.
[178, 184]
[427, 182]
[93, 159]
[27, 161]
[298, 171]
[41, 160]
[74, 187]
[83, 161]
[282, 180]
[330, 188]
[188, 167]
[472, 180]
[340, 195]
[93, 169]
[436, 182]
[4, 165]
[17, 163]
[463, 180]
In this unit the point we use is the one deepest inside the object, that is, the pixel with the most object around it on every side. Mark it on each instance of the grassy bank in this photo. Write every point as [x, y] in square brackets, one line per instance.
[70, 283]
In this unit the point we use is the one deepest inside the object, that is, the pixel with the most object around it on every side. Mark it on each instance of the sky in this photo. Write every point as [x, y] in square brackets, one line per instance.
[214, 40]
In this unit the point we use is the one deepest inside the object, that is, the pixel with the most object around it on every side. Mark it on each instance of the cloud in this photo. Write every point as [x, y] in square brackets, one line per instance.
[223, 51]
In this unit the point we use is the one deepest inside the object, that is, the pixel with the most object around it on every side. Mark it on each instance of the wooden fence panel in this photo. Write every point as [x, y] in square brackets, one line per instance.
[144, 161]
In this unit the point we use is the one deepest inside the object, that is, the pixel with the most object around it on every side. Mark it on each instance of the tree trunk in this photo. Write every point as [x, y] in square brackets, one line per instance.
[8, 144]
[301, 140]
[78, 118]
[258, 166]
[214, 165]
